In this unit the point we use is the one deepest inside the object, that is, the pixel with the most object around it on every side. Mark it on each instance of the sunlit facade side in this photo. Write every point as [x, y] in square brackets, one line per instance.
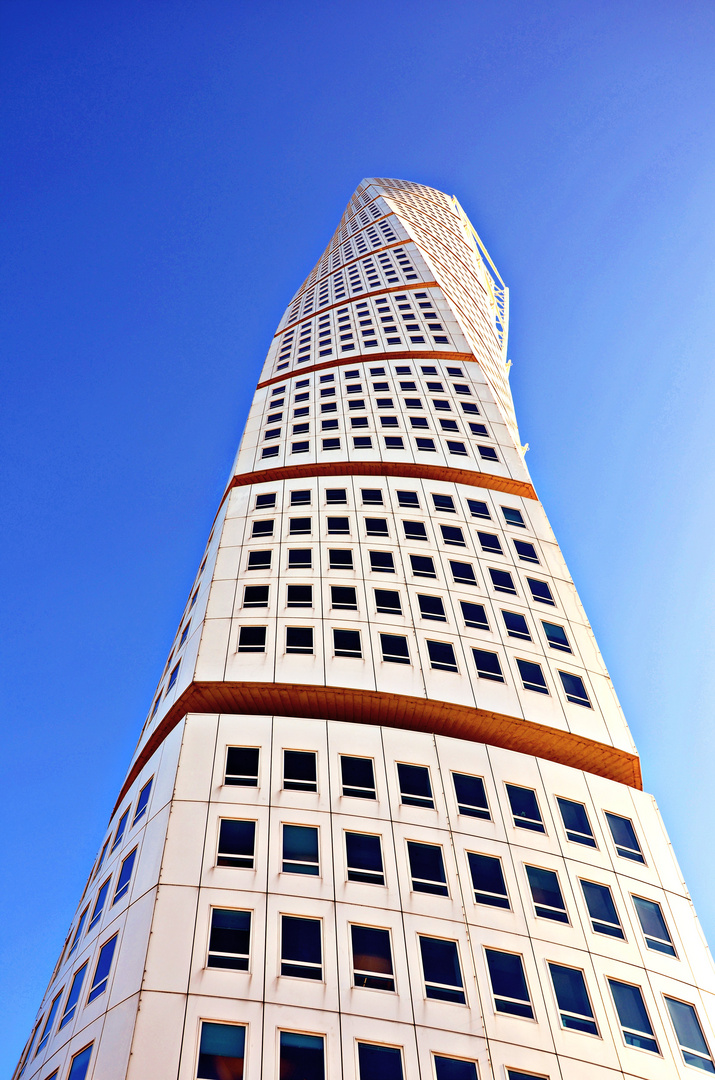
[385, 818]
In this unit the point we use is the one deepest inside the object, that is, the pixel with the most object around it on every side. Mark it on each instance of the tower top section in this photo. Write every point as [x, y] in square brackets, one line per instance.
[382, 217]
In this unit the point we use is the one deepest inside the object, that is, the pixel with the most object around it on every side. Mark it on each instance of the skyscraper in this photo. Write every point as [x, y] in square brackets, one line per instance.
[385, 818]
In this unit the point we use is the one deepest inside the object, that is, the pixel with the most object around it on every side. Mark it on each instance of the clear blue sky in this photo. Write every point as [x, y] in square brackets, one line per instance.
[170, 172]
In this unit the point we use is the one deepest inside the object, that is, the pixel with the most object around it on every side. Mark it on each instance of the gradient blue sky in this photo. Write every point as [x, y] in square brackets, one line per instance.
[170, 173]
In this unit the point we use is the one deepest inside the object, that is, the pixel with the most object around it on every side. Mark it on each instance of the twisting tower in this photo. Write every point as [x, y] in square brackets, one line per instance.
[385, 818]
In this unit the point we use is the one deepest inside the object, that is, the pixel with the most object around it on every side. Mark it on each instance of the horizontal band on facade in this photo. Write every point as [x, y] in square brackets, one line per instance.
[361, 358]
[407, 469]
[394, 710]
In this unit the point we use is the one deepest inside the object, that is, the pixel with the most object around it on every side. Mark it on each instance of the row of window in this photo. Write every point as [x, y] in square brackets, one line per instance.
[451, 535]
[406, 500]
[78, 1065]
[358, 404]
[378, 373]
[389, 602]
[364, 325]
[222, 1046]
[391, 442]
[394, 649]
[383, 562]
[357, 422]
[67, 1006]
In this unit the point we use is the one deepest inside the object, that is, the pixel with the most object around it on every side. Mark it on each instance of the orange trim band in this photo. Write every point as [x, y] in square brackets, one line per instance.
[361, 358]
[386, 468]
[393, 710]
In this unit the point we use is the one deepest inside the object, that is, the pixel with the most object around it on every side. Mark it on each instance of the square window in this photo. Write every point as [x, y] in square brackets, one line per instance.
[601, 909]
[299, 526]
[427, 868]
[690, 1036]
[382, 562]
[425, 444]
[441, 970]
[364, 858]
[394, 442]
[463, 573]
[488, 880]
[394, 649]
[431, 607]
[347, 643]
[334, 496]
[487, 453]
[230, 939]
[509, 990]
[478, 509]
[469, 407]
[488, 666]
[358, 777]
[526, 551]
[255, 596]
[262, 528]
[513, 516]
[414, 530]
[576, 824]
[252, 639]
[532, 677]
[300, 498]
[441, 654]
[633, 1016]
[299, 639]
[300, 770]
[444, 503]
[79, 1065]
[502, 581]
[556, 636]
[343, 596]
[339, 559]
[490, 543]
[371, 497]
[300, 558]
[516, 625]
[422, 566]
[338, 525]
[242, 766]
[236, 843]
[479, 429]
[372, 958]
[302, 1056]
[388, 602]
[73, 996]
[474, 615]
[270, 451]
[221, 1052]
[525, 808]
[301, 948]
[540, 591]
[300, 448]
[572, 998]
[654, 927]
[546, 894]
[449, 425]
[451, 534]
[299, 596]
[447, 1068]
[125, 875]
[471, 795]
[408, 499]
[456, 447]
[331, 444]
[415, 785]
[376, 527]
[379, 1062]
[574, 689]
[300, 850]
[101, 972]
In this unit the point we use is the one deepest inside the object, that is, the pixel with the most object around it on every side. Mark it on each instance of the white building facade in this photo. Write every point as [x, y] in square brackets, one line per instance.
[385, 818]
